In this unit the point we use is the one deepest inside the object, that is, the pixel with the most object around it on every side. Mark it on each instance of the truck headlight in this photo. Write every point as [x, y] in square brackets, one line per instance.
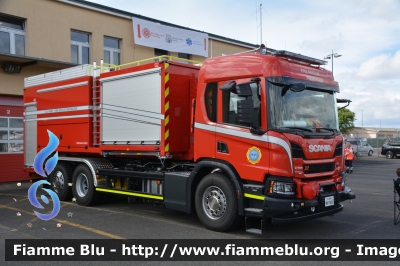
[282, 188]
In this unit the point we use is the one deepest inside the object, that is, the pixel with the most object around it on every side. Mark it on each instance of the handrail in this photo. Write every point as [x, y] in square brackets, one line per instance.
[107, 67]
[103, 68]
[160, 58]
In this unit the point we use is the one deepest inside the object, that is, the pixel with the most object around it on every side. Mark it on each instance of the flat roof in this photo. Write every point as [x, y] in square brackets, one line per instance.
[129, 15]
[28, 60]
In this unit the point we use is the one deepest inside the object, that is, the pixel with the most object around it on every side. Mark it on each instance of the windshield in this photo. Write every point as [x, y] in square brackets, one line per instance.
[308, 109]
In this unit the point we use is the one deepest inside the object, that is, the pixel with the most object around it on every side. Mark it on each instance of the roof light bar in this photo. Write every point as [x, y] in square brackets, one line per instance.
[299, 57]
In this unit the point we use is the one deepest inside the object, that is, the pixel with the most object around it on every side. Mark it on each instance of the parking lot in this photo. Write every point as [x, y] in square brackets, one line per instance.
[369, 216]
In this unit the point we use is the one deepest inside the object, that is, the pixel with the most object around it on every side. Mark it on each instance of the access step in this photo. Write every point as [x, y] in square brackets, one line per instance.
[251, 221]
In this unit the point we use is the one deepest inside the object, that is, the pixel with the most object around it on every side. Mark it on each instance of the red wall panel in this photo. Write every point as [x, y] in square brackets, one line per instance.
[12, 168]
[12, 164]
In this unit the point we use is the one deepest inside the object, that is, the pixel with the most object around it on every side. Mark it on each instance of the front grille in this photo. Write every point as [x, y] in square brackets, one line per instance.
[318, 168]
[297, 151]
[338, 150]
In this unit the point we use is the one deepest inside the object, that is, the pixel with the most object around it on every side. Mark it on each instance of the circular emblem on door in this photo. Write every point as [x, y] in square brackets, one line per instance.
[253, 155]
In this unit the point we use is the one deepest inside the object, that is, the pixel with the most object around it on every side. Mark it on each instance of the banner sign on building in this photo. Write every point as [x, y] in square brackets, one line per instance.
[172, 39]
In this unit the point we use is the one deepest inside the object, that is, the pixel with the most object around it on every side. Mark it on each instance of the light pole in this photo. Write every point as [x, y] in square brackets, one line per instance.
[331, 56]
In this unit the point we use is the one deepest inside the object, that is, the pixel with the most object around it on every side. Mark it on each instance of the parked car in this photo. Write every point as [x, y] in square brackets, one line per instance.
[361, 147]
[391, 149]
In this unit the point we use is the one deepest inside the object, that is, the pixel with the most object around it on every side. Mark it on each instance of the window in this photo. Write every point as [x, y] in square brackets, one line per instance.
[183, 55]
[210, 99]
[79, 47]
[159, 52]
[11, 135]
[111, 51]
[12, 36]
[353, 142]
[229, 106]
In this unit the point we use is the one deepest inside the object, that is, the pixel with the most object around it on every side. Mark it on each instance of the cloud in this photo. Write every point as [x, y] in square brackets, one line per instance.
[365, 32]
[379, 9]
[383, 66]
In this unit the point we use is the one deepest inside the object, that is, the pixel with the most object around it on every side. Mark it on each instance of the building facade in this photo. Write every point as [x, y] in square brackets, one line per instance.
[42, 36]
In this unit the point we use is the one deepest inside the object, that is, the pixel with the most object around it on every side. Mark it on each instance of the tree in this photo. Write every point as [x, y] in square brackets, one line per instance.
[346, 120]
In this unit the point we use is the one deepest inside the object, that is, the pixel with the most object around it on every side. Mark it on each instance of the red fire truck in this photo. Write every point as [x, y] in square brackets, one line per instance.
[251, 135]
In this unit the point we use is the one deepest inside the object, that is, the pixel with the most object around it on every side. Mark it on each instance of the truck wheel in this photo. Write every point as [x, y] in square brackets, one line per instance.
[389, 155]
[370, 152]
[216, 203]
[59, 179]
[83, 187]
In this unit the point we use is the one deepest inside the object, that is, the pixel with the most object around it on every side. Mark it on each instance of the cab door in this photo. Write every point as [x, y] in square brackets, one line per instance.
[246, 152]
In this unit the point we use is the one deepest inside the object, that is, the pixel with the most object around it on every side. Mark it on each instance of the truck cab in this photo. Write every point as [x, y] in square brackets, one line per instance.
[276, 124]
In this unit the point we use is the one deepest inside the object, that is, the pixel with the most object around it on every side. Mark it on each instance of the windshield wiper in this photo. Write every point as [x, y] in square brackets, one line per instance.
[301, 128]
[327, 128]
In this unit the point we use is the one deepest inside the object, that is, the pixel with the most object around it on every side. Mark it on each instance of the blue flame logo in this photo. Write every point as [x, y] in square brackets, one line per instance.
[44, 164]
[40, 159]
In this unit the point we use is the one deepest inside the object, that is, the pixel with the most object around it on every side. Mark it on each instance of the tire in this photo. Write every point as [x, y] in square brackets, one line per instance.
[216, 203]
[370, 152]
[389, 155]
[83, 187]
[59, 179]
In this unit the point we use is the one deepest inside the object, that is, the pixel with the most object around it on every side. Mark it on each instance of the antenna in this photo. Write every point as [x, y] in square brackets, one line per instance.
[261, 25]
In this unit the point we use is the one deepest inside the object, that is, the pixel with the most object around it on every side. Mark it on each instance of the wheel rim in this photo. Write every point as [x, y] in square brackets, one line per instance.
[214, 202]
[58, 182]
[389, 155]
[82, 185]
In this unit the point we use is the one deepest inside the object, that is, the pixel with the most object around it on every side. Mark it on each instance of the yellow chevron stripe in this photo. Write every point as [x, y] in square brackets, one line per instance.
[166, 92]
[166, 107]
[252, 196]
[166, 134]
[166, 65]
[166, 79]
[166, 120]
[167, 147]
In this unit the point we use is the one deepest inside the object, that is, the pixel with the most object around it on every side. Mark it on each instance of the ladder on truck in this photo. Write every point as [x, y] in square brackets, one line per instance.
[96, 101]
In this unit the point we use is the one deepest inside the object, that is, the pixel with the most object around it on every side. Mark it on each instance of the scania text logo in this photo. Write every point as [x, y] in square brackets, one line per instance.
[319, 148]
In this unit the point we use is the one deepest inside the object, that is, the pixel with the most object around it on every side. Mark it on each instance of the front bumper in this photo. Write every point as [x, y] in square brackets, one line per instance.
[283, 210]
[274, 205]
[306, 216]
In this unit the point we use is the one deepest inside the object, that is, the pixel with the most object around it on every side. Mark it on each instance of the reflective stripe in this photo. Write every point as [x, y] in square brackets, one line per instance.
[60, 110]
[130, 193]
[248, 135]
[58, 117]
[166, 107]
[252, 196]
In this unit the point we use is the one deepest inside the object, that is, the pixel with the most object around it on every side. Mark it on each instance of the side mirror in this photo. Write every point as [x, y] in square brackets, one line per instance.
[245, 112]
[229, 86]
[242, 90]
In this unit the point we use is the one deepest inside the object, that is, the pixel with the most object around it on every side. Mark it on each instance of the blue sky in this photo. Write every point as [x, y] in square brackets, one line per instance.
[365, 32]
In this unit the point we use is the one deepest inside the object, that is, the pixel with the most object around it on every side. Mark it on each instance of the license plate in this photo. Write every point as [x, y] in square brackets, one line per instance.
[329, 201]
